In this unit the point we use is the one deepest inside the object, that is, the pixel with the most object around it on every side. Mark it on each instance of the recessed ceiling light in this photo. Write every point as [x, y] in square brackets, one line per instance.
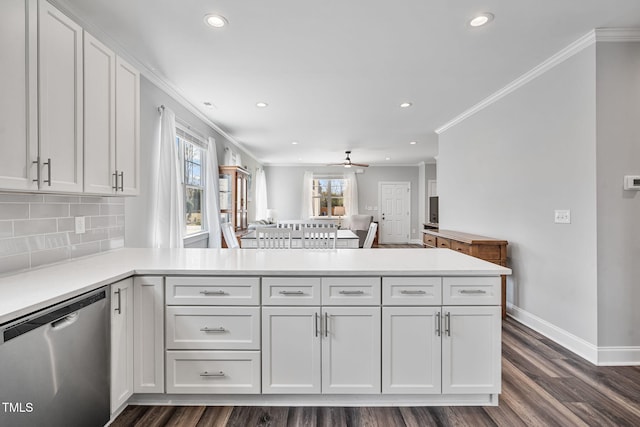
[216, 21]
[406, 105]
[294, 142]
[387, 158]
[481, 19]
[261, 104]
[413, 142]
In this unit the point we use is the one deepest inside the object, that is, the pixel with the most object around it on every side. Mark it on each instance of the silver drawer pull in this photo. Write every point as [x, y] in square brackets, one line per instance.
[473, 291]
[406, 292]
[352, 292]
[220, 329]
[291, 292]
[219, 292]
[213, 374]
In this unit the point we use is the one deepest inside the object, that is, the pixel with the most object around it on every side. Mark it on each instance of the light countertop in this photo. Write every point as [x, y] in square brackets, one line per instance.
[23, 293]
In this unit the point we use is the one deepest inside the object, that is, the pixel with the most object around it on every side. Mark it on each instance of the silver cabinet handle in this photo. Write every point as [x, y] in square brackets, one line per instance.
[315, 316]
[352, 292]
[37, 163]
[326, 324]
[408, 292]
[447, 323]
[48, 180]
[213, 374]
[115, 178]
[473, 291]
[220, 329]
[218, 292]
[119, 307]
[121, 181]
[291, 293]
[438, 326]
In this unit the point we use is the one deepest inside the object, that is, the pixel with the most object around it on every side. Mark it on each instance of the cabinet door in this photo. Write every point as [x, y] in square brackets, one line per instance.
[351, 350]
[127, 128]
[18, 118]
[99, 117]
[60, 100]
[121, 342]
[290, 350]
[471, 350]
[411, 347]
[148, 335]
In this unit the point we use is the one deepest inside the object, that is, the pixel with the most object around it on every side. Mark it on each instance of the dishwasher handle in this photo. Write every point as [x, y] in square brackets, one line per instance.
[58, 316]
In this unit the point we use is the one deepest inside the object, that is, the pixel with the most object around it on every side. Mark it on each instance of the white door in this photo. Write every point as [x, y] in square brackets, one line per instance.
[351, 350]
[148, 334]
[471, 349]
[127, 128]
[60, 100]
[411, 345]
[394, 211]
[18, 126]
[121, 342]
[99, 117]
[291, 350]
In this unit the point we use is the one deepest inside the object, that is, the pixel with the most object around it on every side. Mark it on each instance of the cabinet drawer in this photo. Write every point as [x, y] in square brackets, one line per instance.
[465, 248]
[200, 372]
[412, 290]
[213, 290]
[291, 291]
[429, 240]
[441, 242]
[351, 291]
[471, 290]
[213, 328]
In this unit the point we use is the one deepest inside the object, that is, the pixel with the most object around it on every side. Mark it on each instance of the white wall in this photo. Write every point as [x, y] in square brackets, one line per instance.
[137, 233]
[284, 187]
[504, 170]
[618, 154]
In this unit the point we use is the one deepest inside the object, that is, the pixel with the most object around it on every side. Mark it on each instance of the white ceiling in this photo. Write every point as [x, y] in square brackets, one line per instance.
[335, 71]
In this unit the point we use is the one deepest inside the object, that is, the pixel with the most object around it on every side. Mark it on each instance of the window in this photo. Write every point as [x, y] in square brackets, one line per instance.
[192, 157]
[328, 193]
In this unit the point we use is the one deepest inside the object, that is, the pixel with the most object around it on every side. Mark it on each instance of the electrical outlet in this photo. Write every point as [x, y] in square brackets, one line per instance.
[562, 216]
[80, 225]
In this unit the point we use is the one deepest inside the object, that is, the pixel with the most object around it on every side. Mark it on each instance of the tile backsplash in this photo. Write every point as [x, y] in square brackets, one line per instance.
[38, 229]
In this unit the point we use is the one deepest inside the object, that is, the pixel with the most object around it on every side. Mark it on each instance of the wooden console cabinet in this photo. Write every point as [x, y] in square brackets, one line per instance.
[486, 248]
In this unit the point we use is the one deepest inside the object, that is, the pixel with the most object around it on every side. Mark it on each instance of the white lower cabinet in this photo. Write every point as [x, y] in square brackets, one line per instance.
[148, 334]
[471, 350]
[411, 350]
[121, 343]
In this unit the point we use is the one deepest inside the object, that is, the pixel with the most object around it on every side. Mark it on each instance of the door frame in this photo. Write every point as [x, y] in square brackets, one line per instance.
[407, 222]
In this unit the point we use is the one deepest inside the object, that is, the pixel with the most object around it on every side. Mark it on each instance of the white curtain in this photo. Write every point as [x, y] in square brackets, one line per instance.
[351, 194]
[212, 203]
[261, 194]
[167, 199]
[307, 195]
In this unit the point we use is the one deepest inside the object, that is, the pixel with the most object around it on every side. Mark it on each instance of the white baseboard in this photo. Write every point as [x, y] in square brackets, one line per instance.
[416, 241]
[600, 356]
[566, 339]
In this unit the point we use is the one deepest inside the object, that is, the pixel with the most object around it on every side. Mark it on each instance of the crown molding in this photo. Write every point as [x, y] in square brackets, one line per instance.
[566, 53]
[617, 34]
[148, 72]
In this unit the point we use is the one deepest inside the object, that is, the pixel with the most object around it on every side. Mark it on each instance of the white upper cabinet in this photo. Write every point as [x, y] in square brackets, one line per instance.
[111, 122]
[127, 128]
[99, 117]
[60, 100]
[18, 113]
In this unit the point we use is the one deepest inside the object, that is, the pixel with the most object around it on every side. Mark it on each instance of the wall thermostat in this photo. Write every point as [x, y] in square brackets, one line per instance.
[632, 182]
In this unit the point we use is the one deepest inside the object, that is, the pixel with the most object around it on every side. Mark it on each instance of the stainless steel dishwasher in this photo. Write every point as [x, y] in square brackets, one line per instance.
[54, 365]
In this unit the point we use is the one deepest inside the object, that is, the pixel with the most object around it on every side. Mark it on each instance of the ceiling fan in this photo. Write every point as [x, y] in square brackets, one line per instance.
[347, 163]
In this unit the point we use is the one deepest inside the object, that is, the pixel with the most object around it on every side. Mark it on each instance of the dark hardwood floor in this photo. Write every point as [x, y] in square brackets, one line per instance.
[543, 384]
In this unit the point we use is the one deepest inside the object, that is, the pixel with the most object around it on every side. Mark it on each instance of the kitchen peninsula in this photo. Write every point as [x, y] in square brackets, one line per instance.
[325, 327]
